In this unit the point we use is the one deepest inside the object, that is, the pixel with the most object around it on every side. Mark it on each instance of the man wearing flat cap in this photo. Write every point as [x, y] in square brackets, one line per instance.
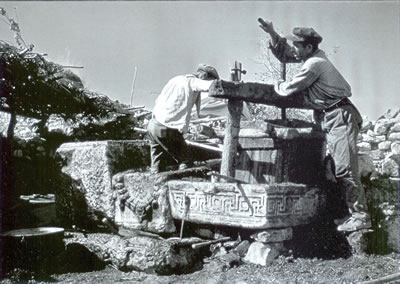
[325, 90]
[171, 117]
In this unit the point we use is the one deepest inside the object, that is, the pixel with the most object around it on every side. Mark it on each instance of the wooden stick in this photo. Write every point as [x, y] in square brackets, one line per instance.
[231, 179]
[200, 245]
[204, 146]
[201, 120]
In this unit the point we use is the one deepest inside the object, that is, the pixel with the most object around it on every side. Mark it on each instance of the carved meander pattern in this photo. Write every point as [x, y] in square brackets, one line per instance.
[237, 205]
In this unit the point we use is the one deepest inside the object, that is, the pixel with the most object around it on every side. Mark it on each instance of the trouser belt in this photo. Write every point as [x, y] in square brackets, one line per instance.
[340, 103]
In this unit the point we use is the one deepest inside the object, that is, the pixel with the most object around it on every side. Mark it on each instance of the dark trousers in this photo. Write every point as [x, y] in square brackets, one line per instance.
[168, 147]
[342, 127]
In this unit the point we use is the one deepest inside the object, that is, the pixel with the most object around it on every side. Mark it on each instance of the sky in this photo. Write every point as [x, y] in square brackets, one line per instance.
[162, 39]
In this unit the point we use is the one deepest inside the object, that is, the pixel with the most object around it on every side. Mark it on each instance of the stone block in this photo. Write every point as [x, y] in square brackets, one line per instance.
[380, 138]
[365, 165]
[380, 129]
[395, 136]
[366, 137]
[391, 166]
[377, 154]
[273, 235]
[371, 133]
[395, 127]
[367, 125]
[263, 254]
[390, 114]
[245, 205]
[395, 148]
[385, 145]
[91, 165]
[364, 146]
[242, 248]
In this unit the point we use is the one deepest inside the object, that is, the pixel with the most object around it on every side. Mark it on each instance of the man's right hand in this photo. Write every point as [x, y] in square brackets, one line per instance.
[267, 26]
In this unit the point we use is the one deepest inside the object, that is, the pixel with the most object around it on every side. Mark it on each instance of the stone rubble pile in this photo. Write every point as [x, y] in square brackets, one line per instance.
[379, 142]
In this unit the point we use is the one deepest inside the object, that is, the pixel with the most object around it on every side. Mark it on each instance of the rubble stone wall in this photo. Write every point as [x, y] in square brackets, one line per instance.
[380, 140]
[379, 150]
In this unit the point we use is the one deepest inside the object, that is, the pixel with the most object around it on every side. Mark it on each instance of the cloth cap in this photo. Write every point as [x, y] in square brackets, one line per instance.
[301, 34]
[211, 71]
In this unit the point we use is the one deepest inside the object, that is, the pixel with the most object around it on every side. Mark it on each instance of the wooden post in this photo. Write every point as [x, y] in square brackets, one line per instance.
[283, 77]
[235, 108]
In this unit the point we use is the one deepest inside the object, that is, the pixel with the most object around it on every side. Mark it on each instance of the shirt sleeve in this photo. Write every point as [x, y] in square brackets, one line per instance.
[300, 82]
[282, 51]
[199, 85]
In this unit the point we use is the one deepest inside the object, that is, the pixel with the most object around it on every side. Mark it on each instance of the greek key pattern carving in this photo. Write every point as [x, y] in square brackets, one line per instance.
[238, 205]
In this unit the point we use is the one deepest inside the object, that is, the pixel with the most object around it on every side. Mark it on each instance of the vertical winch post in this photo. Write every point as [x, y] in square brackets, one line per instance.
[235, 108]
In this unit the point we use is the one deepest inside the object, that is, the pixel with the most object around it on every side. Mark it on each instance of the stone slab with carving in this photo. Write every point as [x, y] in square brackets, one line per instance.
[250, 206]
[89, 166]
[142, 203]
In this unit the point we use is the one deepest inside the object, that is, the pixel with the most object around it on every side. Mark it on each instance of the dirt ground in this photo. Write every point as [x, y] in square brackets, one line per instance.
[355, 269]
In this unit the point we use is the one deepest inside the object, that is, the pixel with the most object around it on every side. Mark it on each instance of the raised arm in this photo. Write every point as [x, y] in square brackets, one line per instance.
[278, 45]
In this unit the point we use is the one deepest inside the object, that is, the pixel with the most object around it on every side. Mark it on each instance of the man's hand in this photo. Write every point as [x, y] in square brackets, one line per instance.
[267, 26]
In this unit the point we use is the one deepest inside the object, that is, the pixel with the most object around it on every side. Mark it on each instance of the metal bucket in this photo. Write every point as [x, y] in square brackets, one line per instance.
[33, 249]
[38, 210]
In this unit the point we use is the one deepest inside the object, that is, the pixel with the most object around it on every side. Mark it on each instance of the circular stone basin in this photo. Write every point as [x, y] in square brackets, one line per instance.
[33, 232]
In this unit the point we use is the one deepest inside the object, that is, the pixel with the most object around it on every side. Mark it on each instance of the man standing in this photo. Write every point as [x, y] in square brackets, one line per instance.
[325, 90]
[171, 117]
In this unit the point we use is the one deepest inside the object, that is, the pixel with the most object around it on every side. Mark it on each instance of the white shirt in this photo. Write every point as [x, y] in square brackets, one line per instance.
[173, 106]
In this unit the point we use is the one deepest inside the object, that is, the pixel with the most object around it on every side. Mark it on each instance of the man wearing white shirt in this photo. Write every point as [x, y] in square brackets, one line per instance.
[171, 117]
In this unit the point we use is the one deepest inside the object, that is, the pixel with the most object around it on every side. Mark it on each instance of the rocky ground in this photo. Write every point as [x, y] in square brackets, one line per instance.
[355, 269]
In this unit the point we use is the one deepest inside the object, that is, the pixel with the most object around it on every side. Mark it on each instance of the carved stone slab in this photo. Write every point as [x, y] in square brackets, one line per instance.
[92, 165]
[252, 206]
[141, 203]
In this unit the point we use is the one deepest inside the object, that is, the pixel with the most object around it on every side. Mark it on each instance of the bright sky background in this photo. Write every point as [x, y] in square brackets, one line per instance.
[167, 38]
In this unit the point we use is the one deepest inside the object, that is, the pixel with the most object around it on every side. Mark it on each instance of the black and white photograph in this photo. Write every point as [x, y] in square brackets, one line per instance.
[200, 142]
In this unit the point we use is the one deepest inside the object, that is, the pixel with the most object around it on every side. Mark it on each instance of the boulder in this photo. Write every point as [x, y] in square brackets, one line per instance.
[263, 254]
[140, 253]
[364, 146]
